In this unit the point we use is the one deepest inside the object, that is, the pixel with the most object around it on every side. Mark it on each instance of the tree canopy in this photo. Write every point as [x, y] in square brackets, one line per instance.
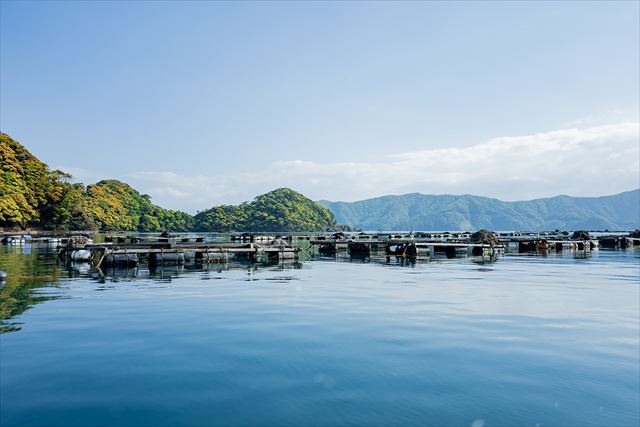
[278, 210]
[33, 195]
[26, 184]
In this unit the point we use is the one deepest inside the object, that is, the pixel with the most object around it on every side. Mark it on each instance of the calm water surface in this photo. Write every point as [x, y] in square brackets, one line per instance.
[524, 341]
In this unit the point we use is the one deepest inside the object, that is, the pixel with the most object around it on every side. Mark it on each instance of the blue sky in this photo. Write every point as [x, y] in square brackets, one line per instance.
[199, 103]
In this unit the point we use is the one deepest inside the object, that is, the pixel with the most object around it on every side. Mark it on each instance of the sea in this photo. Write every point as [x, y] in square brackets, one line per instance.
[516, 340]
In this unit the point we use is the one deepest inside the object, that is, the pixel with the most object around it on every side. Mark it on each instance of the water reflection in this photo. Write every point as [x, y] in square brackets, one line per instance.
[404, 261]
[166, 273]
[31, 267]
[78, 269]
[28, 268]
[482, 260]
[514, 340]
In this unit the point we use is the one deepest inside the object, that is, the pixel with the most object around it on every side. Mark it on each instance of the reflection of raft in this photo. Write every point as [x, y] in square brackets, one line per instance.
[359, 248]
[401, 249]
[80, 255]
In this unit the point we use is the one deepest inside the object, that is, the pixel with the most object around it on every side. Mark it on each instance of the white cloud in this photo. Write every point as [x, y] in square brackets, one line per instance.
[588, 161]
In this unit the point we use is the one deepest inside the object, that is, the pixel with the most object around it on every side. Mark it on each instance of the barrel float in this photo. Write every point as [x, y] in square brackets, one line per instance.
[327, 249]
[169, 258]
[120, 260]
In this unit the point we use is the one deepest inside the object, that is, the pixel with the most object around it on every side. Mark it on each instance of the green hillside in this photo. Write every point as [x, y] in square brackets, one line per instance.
[114, 205]
[279, 210]
[31, 195]
[429, 212]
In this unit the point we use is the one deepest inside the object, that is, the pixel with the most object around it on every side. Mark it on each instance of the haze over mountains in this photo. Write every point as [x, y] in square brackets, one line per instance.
[447, 212]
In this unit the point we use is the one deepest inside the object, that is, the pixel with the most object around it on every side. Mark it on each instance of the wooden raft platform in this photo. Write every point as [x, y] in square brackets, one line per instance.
[405, 247]
[451, 247]
[128, 254]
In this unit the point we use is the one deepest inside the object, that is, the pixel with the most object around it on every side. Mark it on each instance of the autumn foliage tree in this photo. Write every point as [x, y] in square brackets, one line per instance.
[33, 195]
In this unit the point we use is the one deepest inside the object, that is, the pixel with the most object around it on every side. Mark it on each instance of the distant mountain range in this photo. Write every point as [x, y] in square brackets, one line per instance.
[457, 213]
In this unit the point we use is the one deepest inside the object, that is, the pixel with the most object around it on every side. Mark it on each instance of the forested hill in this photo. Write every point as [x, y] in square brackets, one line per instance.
[429, 212]
[279, 210]
[32, 195]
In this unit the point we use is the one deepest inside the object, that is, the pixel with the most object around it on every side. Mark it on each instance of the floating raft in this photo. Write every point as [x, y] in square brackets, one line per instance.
[618, 242]
[130, 254]
[405, 247]
[450, 247]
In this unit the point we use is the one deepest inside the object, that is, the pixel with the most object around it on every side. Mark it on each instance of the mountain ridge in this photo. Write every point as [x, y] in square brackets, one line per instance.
[417, 193]
[413, 211]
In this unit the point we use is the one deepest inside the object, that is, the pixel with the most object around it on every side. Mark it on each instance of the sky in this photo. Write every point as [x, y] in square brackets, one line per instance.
[202, 103]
